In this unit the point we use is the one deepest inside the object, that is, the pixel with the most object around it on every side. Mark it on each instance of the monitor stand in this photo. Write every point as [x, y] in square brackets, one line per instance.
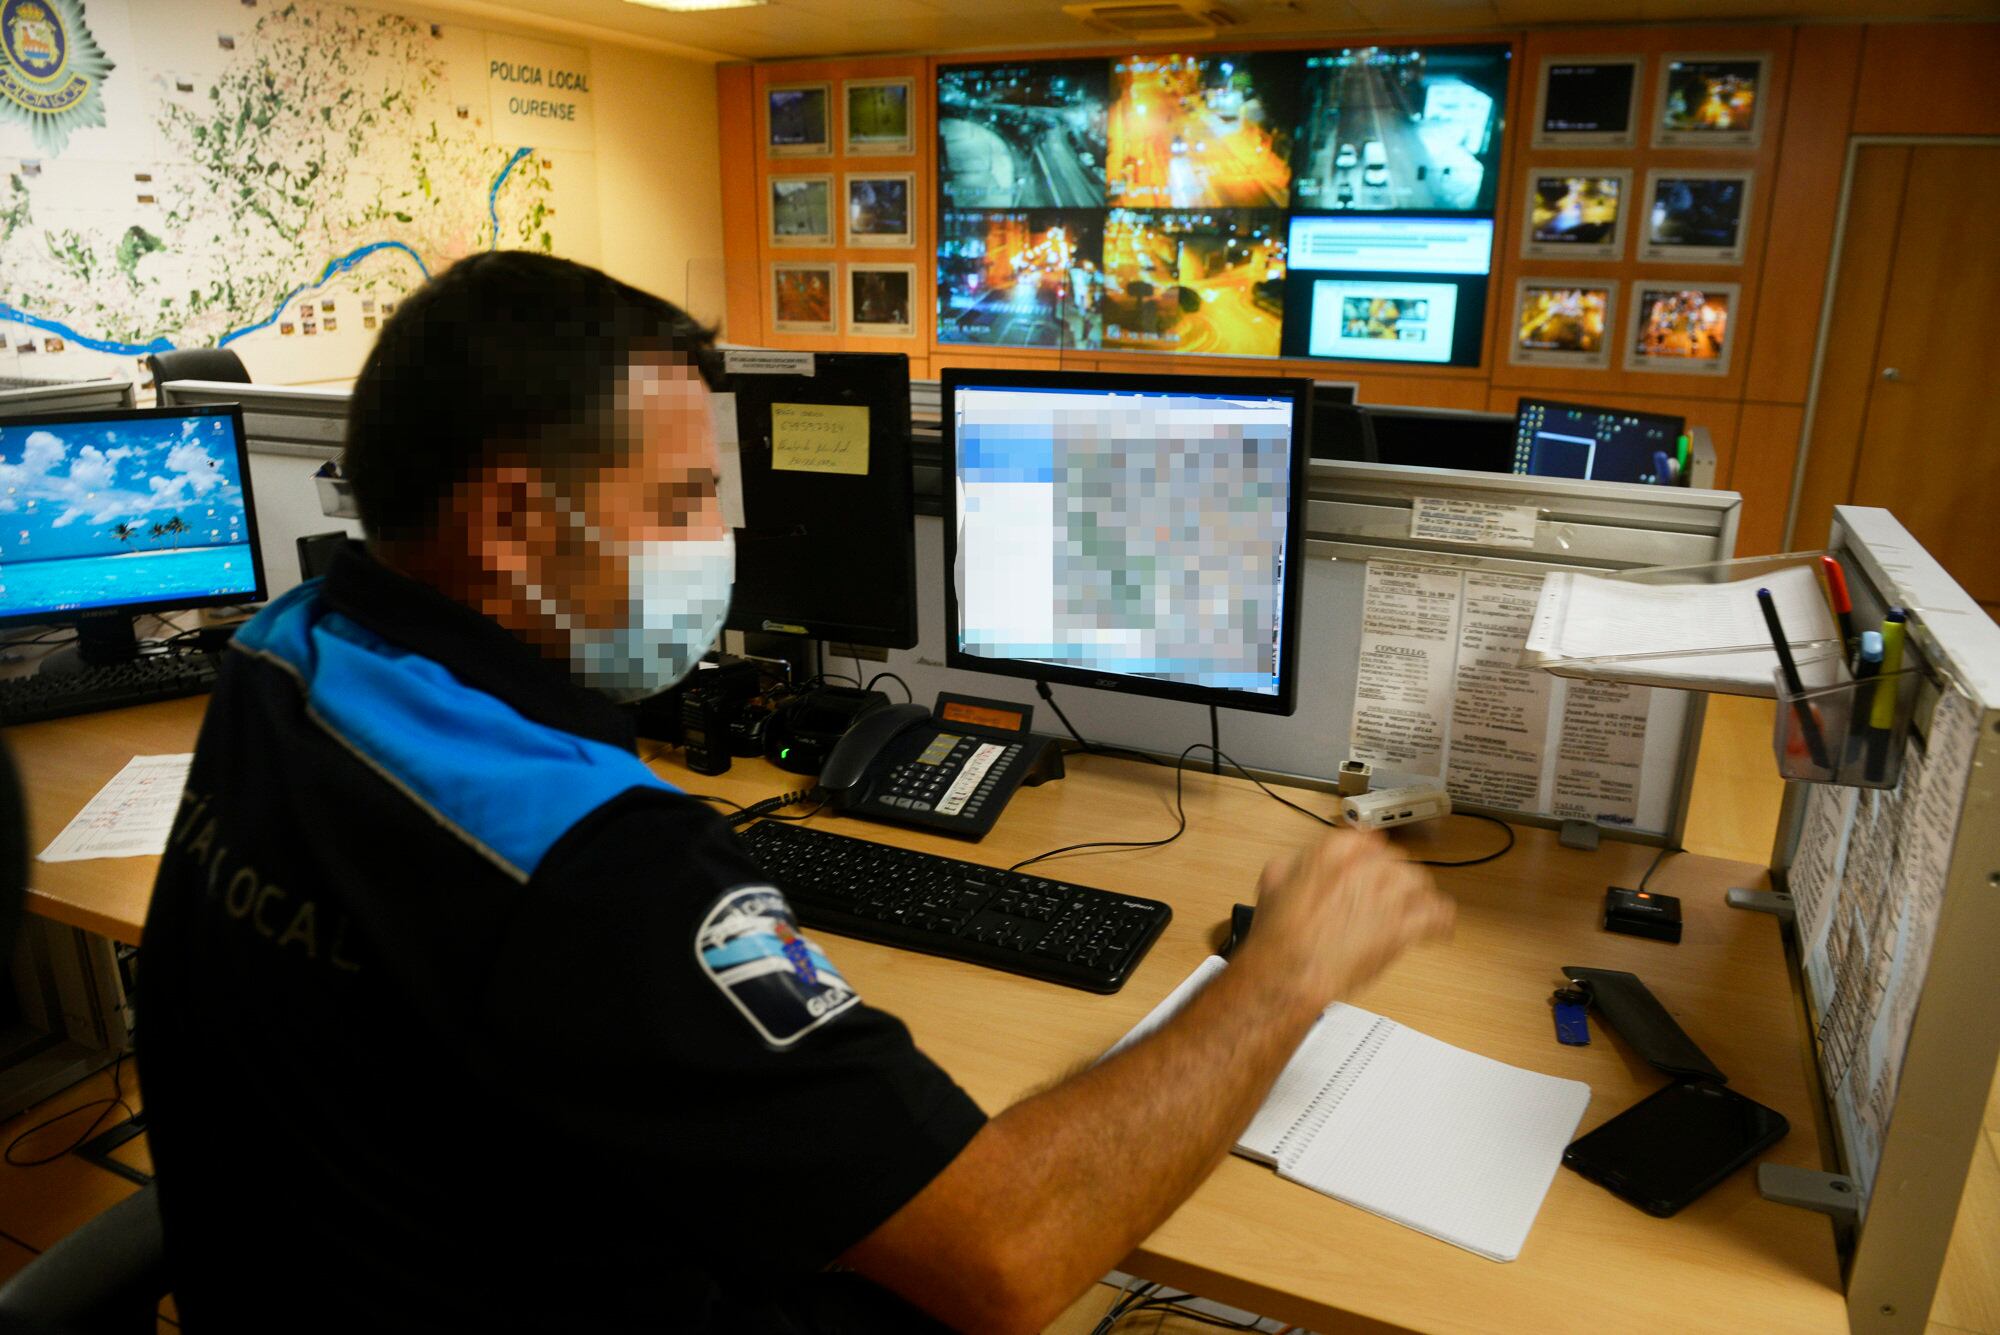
[102, 640]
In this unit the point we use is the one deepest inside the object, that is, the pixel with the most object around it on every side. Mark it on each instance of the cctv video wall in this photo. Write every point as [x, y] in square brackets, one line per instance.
[1334, 204]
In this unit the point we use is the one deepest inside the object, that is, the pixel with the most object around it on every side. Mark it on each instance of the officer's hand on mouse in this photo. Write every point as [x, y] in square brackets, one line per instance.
[1333, 915]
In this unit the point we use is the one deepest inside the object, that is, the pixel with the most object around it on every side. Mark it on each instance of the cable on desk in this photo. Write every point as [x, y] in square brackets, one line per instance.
[116, 1100]
[1659, 857]
[909, 697]
[1501, 851]
[710, 797]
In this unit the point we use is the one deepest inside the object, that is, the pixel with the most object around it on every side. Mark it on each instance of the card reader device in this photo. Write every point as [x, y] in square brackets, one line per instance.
[1404, 804]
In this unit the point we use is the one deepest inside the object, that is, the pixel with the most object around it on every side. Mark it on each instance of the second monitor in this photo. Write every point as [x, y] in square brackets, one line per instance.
[1137, 533]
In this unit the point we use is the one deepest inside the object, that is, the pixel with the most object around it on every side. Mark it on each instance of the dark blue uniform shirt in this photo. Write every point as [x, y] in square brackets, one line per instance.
[453, 1015]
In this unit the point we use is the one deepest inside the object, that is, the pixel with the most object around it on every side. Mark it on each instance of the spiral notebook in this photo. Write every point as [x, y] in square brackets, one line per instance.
[1435, 1138]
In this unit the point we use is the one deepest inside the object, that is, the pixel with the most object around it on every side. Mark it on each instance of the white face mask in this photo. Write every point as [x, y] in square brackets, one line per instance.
[679, 592]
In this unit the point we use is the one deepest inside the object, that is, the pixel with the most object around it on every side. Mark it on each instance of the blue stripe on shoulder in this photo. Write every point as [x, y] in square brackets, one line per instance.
[510, 786]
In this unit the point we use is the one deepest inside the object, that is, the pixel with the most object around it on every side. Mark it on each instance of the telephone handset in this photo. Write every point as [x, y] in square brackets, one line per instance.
[951, 768]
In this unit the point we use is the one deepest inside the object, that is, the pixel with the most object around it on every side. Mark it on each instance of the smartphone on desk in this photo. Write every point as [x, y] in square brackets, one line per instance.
[950, 768]
[1669, 1148]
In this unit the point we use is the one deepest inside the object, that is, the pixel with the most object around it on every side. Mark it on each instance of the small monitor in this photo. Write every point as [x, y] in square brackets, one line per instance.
[827, 548]
[1442, 438]
[1599, 444]
[1136, 533]
[111, 514]
[1342, 431]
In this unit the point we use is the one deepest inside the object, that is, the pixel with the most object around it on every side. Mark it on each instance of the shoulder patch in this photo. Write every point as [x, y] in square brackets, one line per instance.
[749, 946]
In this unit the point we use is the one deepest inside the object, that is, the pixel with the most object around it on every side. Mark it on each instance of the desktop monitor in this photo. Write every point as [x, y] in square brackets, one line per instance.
[108, 515]
[1598, 444]
[1442, 438]
[828, 543]
[1136, 533]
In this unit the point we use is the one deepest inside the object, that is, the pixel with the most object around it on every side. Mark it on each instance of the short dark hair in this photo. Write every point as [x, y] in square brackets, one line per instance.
[506, 348]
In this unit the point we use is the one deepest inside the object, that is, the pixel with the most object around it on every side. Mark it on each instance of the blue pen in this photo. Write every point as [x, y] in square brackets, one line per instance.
[1867, 667]
[1663, 469]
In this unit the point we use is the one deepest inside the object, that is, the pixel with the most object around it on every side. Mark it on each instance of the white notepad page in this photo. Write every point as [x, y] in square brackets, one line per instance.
[1678, 635]
[1426, 1135]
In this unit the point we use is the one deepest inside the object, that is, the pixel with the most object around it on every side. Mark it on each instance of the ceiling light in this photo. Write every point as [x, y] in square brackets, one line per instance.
[696, 6]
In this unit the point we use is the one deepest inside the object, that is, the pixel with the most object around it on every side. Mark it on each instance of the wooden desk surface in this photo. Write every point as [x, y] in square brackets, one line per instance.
[1729, 1262]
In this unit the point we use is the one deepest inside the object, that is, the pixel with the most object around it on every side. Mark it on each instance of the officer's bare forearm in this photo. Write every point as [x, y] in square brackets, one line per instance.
[1057, 1189]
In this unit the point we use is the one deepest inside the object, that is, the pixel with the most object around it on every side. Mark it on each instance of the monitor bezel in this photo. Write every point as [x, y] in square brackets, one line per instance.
[261, 592]
[1521, 406]
[1298, 390]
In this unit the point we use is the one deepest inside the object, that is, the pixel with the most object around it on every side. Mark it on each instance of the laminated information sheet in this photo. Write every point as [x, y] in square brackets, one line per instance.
[1440, 693]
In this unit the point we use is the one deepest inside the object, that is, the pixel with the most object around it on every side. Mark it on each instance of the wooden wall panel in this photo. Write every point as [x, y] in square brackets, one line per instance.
[1928, 78]
[1848, 371]
[1806, 185]
[737, 110]
[1767, 448]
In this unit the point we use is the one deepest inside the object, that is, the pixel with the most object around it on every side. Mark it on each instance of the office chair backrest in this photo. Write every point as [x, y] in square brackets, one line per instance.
[197, 364]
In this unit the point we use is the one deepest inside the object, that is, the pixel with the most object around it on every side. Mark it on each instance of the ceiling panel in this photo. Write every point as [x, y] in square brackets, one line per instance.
[801, 29]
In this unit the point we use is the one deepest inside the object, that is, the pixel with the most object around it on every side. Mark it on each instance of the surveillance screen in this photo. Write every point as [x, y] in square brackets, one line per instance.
[1157, 202]
[1401, 128]
[1022, 136]
[1588, 98]
[1138, 534]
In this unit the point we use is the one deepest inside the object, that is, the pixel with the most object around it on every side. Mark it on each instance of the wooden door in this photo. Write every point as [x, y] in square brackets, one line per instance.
[1908, 414]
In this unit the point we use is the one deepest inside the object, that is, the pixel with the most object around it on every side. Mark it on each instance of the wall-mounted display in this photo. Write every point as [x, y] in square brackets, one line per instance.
[1710, 101]
[1681, 328]
[798, 120]
[1587, 102]
[802, 299]
[1022, 136]
[1334, 203]
[878, 115]
[881, 300]
[1695, 217]
[1576, 212]
[878, 209]
[1563, 322]
[801, 210]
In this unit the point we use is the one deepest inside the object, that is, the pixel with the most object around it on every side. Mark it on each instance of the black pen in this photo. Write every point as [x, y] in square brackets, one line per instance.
[1815, 743]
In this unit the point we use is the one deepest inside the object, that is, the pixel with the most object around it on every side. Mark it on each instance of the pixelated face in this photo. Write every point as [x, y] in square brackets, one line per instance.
[661, 490]
[572, 537]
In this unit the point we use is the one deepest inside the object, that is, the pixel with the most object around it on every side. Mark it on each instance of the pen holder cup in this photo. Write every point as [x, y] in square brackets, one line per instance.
[1840, 730]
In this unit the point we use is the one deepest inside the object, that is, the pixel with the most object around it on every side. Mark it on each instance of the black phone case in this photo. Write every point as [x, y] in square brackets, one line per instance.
[1640, 1019]
[1578, 1157]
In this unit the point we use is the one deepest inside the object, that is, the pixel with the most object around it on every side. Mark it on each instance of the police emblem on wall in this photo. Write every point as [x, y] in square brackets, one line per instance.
[51, 70]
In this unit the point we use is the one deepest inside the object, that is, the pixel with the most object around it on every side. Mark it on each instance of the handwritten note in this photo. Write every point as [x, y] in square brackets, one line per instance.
[130, 816]
[819, 438]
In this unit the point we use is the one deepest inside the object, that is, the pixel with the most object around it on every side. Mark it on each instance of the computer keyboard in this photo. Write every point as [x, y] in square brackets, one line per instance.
[47, 695]
[1060, 933]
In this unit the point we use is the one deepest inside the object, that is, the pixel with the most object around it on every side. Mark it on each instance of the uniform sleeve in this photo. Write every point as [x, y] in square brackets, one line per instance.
[688, 1026]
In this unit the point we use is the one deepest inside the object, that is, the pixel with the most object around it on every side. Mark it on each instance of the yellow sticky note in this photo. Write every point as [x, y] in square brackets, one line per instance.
[819, 438]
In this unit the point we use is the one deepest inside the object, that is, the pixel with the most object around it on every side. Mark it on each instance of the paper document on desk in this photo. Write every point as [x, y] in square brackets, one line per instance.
[1705, 637]
[130, 816]
[1424, 1134]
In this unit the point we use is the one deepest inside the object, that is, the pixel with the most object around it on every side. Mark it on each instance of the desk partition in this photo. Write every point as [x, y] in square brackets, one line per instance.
[1381, 540]
[1895, 914]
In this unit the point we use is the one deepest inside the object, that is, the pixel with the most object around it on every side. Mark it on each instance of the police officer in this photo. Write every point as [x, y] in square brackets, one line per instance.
[439, 1027]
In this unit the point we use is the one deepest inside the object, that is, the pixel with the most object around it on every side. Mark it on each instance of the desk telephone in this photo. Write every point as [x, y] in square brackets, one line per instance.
[951, 768]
